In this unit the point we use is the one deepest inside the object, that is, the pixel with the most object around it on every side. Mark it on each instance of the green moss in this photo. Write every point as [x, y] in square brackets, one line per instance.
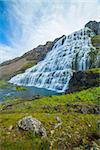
[95, 53]
[5, 84]
[93, 71]
[28, 65]
[21, 88]
[96, 39]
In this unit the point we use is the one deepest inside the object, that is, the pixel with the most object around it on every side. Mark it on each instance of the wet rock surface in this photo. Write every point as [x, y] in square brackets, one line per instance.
[83, 80]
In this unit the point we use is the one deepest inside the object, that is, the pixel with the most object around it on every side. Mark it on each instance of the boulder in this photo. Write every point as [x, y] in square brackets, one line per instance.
[32, 124]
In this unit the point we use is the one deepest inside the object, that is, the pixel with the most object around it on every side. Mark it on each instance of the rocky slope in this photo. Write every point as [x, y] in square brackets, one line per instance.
[84, 80]
[18, 65]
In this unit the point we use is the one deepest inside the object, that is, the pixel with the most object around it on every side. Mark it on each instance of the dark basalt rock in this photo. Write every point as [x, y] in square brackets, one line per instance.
[94, 26]
[83, 80]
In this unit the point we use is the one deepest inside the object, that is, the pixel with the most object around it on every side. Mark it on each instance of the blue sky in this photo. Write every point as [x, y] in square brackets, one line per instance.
[24, 24]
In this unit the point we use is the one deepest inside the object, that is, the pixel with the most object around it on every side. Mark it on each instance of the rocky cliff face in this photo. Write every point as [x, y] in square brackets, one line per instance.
[84, 80]
[94, 26]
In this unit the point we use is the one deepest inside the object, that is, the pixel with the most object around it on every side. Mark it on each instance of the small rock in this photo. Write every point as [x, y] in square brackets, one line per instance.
[52, 132]
[84, 110]
[64, 113]
[46, 107]
[7, 106]
[57, 125]
[57, 108]
[37, 97]
[10, 128]
[89, 125]
[32, 124]
[58, 119]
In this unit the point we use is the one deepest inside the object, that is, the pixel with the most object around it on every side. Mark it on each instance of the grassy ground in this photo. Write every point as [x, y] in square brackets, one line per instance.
[77, 131]
[5, 84]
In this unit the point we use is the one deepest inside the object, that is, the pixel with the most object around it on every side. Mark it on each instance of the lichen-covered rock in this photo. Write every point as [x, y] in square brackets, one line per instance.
[32, 124]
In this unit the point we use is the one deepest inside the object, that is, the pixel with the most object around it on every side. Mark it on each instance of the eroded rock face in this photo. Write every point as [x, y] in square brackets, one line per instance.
[83, 80]
[32, 124]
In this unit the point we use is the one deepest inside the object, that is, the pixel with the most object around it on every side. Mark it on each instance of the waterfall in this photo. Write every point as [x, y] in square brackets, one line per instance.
[69, 53]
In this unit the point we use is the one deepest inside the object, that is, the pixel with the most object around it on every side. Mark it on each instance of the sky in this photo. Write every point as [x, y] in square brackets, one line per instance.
[25, 24]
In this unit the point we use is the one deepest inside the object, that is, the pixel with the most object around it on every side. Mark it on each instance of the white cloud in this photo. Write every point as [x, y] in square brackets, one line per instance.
[37, 21]
[6, 53]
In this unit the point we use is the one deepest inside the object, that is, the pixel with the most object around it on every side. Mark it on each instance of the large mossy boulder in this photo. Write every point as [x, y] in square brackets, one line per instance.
[32, 124]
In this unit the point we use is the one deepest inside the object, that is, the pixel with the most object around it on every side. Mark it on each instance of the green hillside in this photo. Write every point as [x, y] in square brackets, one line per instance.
[79, 128]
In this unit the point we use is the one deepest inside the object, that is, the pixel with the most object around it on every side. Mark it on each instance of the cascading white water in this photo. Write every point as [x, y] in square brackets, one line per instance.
[54, 72]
